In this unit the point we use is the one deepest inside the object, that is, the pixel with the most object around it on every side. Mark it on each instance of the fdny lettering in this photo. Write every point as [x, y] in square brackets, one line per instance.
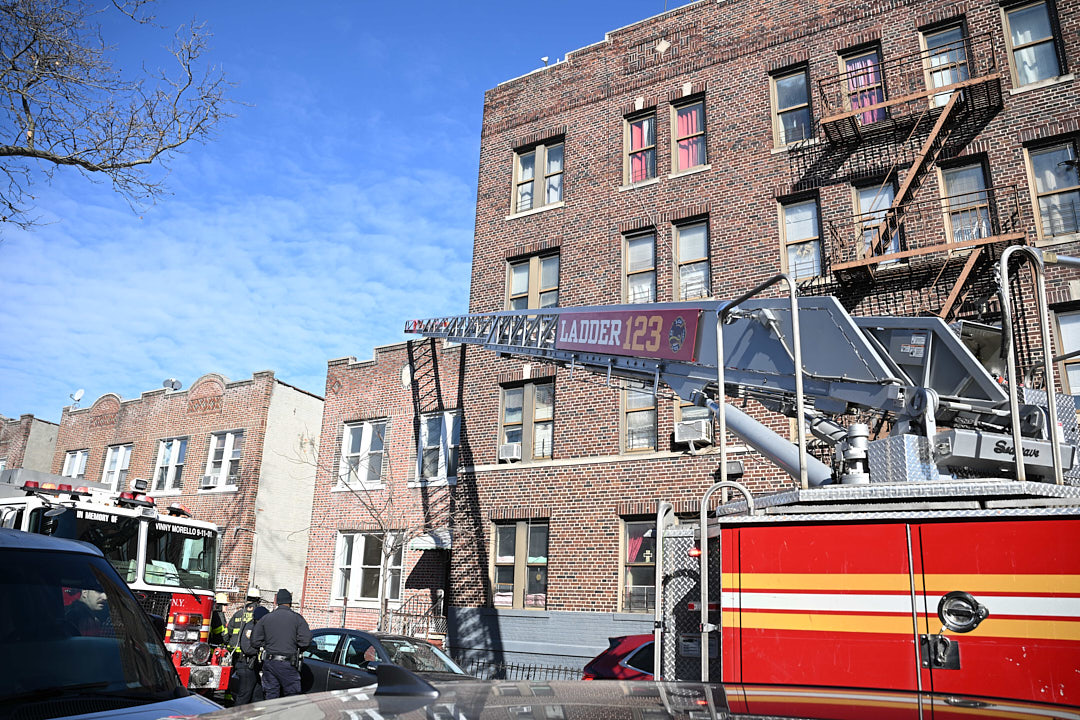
[590, 332]
[1003, 448]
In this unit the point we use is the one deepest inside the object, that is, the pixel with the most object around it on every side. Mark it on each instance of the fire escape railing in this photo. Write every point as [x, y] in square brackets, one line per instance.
[926, 226]
[877, 94]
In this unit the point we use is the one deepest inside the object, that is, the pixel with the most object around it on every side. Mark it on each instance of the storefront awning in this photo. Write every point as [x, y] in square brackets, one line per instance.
[432, 540]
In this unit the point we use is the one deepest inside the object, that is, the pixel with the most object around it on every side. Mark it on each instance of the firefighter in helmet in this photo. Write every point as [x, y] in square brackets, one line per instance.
[241, 617]
[217, 620]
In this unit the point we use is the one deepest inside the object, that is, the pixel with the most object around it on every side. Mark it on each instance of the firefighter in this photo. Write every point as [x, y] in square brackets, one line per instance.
[239, 618]
[244, 682]
[217, 620]
[282, 636]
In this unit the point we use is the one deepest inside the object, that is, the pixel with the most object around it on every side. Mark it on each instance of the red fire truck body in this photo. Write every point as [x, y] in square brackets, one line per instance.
[918, 551]
[168, 560]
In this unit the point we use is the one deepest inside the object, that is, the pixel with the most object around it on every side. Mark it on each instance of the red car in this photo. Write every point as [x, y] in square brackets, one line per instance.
[629, 657]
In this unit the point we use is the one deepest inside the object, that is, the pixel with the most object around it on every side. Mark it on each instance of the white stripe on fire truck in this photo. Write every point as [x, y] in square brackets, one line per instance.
[1003, 605]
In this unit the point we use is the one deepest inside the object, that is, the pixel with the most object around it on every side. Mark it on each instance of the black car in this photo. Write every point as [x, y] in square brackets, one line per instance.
[74, 640]
[342, 658]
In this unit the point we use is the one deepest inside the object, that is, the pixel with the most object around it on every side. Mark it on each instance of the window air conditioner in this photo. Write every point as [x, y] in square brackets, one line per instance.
[698, 431]
[208, 481]
[510, 451]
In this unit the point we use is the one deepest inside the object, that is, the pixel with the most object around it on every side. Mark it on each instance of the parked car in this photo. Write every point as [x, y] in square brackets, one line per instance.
[628, 657]
[74, 640]
[398, 698]
[341, 658]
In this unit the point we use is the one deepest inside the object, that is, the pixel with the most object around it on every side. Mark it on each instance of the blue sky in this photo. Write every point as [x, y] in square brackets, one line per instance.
[338, 203]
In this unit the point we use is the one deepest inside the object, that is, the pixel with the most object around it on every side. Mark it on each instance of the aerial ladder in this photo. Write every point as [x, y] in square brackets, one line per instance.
[955, 411]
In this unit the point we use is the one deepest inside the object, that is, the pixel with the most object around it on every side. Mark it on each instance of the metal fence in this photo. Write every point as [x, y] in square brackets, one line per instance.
[489, 670]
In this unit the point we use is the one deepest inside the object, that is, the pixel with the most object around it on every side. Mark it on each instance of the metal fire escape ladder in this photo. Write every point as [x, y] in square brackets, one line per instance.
[426, 389]
[891, 221]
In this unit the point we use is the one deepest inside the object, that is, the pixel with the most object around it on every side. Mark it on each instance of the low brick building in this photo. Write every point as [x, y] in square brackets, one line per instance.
[884, 153]
[375, 494]
[27, 443]
[238, 454]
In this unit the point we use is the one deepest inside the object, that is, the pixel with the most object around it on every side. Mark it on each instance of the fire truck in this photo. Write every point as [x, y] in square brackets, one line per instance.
[169, 560]
[918, 549]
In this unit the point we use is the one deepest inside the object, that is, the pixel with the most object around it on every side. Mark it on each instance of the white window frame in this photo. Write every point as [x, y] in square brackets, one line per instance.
[541, 179]
[366, 457]
[520, 565]
[681, 262]
[171, 456]
[75, 464]
[703, 134]
[646, 148]
[536, 294]
[446, 443]
[117, 461]
[231, 452]
[640, 272]
[1012, 50]
[780, 139]
[812, 240]
[1033, 183]
[626, 566]
[3, 464]
[349, 563]
[627, 411]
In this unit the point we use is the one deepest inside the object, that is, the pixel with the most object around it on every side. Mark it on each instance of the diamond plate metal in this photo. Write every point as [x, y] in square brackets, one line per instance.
[1066, 415]
[901, 458]
[680, 587]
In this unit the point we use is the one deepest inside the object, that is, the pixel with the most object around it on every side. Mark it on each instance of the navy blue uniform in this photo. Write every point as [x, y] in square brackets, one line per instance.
[281, 635]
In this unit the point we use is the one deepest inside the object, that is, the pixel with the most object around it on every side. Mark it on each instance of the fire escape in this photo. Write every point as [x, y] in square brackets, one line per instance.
[895, 118]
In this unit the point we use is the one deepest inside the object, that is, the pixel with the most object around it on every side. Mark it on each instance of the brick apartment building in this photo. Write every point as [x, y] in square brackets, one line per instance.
[27, 443]
[881, 152]
[376, 493]
[238, 454]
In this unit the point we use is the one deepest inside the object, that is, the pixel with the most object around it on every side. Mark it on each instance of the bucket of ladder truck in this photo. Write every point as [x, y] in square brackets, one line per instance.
[676, 343]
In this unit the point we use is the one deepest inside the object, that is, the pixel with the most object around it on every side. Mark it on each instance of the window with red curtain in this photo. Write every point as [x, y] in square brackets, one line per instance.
[642, 148]
[690, 136]
[865, 86]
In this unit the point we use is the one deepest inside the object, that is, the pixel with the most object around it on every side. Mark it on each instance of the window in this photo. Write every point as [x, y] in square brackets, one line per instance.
[1055, 171]
[323, 647]
[439, 440]
[75, 464]
[1033, 53]
[520, 567]
[528, 421]
[170, 464]
[802, 238]
[223, 461]
[640, 143]
[693, 259]
[639, 568]
[689, 129]
[1069, 336]
[362, 454]
[873, 203]
[967, 205]
[548, 158]
[117, 459]
[534, 283]
[356, 567]
[791, 108]
[864, 84]
[3, 464]
[639, 421]
[639, 254]
[946, 60]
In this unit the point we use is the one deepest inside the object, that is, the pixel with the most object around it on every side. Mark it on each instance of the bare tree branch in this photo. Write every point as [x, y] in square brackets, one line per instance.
[63, 104]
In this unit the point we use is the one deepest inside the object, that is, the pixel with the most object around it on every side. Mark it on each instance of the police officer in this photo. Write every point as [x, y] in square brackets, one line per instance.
[282, 636]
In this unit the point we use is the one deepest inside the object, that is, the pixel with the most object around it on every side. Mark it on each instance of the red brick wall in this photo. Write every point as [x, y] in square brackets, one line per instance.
[211, 405]
[374, 390]
[725, 51]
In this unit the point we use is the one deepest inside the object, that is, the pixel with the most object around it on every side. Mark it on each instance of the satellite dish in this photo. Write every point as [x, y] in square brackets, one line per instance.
[172, 384]
[77, 395]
